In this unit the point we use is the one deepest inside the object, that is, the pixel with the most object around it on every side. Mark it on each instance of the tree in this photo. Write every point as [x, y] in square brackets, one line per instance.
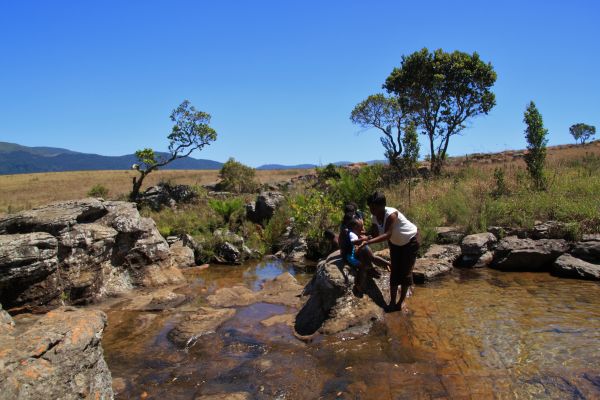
[411, 154]
[385, 114]
[582, 132]
[237, 177]
[535, 133]
[190, 132]
[443, 91]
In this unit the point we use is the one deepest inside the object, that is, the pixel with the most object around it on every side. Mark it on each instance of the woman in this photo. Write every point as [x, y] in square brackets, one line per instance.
[403, 240]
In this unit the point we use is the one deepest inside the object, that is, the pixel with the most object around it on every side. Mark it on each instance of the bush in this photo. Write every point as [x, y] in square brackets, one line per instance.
[356, 186]
[98, 191]
[237, 177]
[330, 171]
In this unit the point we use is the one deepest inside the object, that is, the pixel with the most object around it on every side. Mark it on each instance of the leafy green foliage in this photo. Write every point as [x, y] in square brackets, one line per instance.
[330, 171]
[535, 133]
[237, 177]
[410, 157]
[313, 213]
[356, 186]
[499, 177]
[98, 191]
[227, 208]
[442, 91]
[385, 114]
[582, 132]
[191, 131]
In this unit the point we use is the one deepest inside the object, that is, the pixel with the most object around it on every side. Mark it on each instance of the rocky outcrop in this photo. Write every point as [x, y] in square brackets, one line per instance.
[261, 210]
[477, 250]
[515, 254]
[77, 252]
[331, 306]
[449, 234]
[570, 267]
[183, 256]
[59, 357]
[231, 248]
[166, 195]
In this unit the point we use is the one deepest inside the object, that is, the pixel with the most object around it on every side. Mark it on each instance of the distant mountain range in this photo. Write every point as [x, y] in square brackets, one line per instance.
[18, 159]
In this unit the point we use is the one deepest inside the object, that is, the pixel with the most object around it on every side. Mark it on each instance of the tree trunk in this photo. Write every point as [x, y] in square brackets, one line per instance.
[137, 184]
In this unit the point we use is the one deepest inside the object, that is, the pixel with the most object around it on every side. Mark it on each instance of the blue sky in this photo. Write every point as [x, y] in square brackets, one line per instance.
[279, 78]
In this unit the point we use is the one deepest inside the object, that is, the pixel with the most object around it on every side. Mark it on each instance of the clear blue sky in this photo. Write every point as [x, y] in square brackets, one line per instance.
[279, 78]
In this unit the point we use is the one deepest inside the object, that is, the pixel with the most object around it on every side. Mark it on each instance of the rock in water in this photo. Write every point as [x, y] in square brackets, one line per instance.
[515, 254]
[571, 267]
[59, 357]
[477, 250]
[588, 249]
[438, 260]
[332, 307]
[79, 251]
[203, 322]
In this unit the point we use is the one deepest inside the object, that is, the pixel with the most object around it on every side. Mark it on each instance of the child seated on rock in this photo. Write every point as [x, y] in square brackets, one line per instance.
[352, 235]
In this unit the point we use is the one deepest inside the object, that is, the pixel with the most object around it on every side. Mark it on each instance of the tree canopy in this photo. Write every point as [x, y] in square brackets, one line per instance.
[442, 91]
[535, 134]
[582, 132]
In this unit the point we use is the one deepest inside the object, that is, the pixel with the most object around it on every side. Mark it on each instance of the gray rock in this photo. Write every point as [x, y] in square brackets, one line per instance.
[227, 236]
[58, 357]
[571, 267]
[226, 253]
[588, 249]
[28, 269]
[437, 260]
[6, 322]
[182, 255]
[449, 234]
[166, 195]
[478, 244]
[79, 251]
[332, 307]
[264, 207]
[549, 230]
[53, 217]
[515, 254]
[201, 323]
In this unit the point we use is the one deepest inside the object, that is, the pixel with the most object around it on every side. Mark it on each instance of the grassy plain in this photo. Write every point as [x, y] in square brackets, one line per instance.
[25, 191]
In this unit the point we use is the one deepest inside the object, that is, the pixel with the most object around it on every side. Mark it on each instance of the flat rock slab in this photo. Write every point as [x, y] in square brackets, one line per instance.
[283, 289]
[515, 254]
[478, 244]
[571, 267]
[201, 323]
[588, 249]
[58, 357]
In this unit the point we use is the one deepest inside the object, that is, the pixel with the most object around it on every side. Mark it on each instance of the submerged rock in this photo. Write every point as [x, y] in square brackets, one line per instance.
[515, 254]
[58, 357]
[571, 267]
[77, 252]
[201, 323]
[331, 306]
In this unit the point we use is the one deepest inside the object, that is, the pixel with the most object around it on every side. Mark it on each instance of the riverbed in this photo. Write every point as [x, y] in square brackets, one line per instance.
[473, 334]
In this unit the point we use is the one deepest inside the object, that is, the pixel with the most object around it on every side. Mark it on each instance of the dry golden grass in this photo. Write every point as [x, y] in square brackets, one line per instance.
[24, 191]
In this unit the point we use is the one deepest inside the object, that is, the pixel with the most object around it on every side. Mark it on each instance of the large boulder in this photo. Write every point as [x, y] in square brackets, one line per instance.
[477, 249]
[438, 260]
[449, 234]
[332, 307]
[28, 269]
[515, 254]
[588, 249]
[264, 207]
[183, 256]
[77, 252]
[59, 357]
[571, 267]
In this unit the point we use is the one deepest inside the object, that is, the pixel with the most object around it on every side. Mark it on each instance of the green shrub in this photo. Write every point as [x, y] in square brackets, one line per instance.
[356, 186]
[237, 177]
[98, 191]
[276, 227]
[330, 171]
[227, 208]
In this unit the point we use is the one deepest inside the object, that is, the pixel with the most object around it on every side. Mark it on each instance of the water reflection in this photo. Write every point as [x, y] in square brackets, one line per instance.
[476, 334]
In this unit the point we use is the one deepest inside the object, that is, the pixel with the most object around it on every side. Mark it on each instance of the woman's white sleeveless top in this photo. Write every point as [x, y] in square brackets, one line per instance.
[402, 231]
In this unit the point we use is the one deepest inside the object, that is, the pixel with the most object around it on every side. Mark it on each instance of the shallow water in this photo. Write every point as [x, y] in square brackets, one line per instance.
[474, 334]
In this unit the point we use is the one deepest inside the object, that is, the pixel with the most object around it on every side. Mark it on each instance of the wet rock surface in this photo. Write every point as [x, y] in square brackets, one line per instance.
[571, 267]
[477, 250]
[198, 324]
[515, 254]
[332, 307]
[79, 251]
[58, 357]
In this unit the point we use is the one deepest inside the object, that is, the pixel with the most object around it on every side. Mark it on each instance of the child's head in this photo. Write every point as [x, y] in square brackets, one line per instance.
[356, 225]
[348, 217]
[350, 207]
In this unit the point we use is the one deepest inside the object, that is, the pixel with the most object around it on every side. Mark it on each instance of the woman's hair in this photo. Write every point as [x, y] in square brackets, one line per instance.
[354, 223]
[348, 217]
[377, 199]
[350, 207]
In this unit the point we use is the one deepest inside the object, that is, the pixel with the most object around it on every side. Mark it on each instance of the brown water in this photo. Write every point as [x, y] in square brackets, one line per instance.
[474, 334]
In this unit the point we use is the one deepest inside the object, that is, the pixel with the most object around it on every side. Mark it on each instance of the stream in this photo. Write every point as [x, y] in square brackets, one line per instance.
[473, 334]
